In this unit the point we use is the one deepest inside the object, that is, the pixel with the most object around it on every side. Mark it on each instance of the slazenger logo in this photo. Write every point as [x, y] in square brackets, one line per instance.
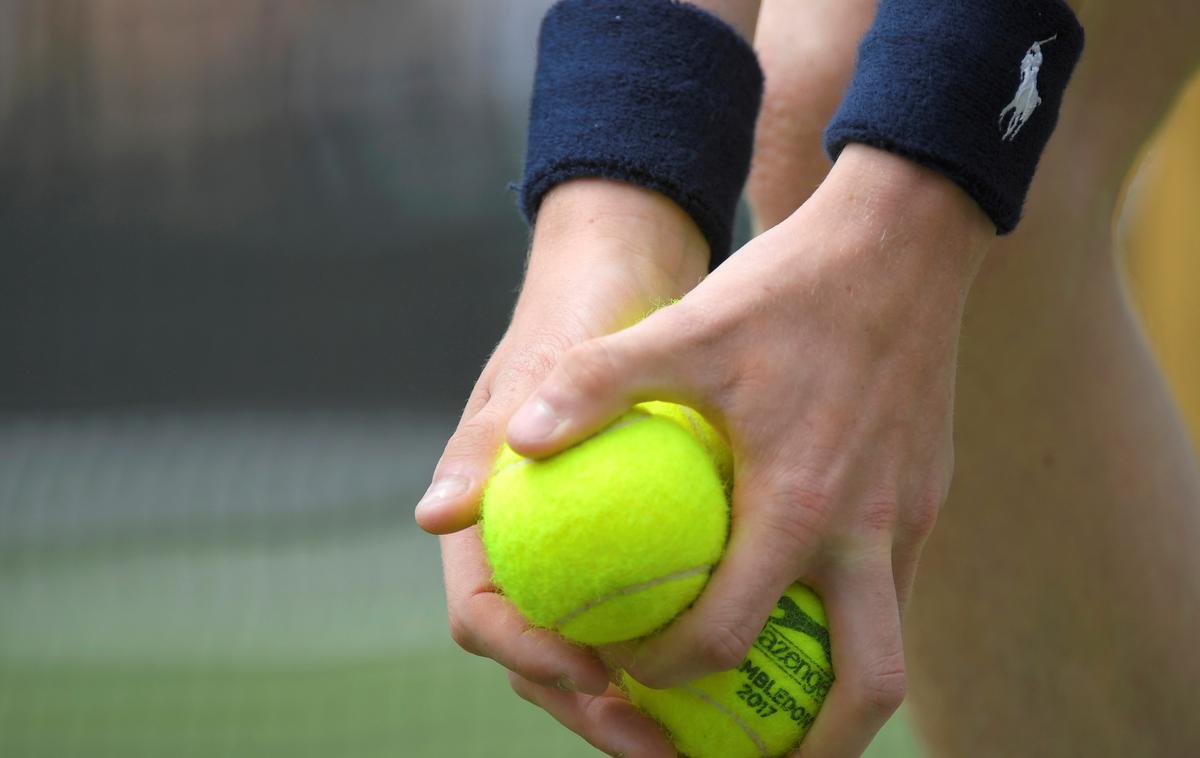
[793, 616]
[777, 644]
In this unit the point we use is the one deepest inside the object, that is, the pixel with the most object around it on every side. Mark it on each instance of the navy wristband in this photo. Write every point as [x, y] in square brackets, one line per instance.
[969, 88]
[653, 92]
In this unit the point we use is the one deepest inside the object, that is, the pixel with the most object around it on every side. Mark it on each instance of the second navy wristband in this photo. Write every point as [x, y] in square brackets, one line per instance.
[969, 88]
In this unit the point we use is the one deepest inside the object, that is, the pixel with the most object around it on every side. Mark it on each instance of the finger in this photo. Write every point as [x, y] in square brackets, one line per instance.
[452, 501]
[607, 721]
[868, 659]
[905, 557]
[481, 393]
[761, 561]
[916, 523]
[486, 624]
[596, 381]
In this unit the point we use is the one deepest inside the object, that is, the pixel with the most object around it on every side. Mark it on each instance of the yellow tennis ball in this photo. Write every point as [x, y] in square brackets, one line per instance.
[612, 538]
[762, 708]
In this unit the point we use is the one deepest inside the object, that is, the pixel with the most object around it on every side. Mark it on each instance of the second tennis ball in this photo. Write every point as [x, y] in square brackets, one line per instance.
[612, 538]
[764, 706]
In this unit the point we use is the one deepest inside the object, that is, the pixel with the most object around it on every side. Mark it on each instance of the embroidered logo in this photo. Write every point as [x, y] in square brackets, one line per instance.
[1027, 99]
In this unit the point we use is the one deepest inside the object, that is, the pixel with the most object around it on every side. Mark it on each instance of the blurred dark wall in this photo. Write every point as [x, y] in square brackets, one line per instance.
[257, 202]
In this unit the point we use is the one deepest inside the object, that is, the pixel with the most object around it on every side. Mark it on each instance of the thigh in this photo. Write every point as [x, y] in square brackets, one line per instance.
[1058, 600]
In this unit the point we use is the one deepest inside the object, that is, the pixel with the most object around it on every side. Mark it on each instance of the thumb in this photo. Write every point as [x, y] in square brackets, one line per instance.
[595, 382]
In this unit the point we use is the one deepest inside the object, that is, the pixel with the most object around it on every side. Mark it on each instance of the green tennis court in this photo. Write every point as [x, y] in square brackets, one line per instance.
[240, 585]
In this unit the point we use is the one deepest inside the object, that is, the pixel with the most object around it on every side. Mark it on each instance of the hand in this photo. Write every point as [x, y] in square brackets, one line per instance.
[604, 254]
[825, 350]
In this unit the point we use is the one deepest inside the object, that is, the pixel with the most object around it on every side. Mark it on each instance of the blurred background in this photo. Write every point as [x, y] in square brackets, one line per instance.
[253, 254]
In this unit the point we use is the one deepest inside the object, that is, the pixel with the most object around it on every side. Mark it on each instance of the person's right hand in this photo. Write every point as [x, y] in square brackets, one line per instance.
[604, 255]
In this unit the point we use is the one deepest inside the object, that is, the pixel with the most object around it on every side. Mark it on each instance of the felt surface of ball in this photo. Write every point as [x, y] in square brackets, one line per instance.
[612, 538]
[762, 708]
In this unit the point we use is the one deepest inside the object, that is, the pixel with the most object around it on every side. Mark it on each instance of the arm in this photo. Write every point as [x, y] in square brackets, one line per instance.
[826, 350]
[603, 254]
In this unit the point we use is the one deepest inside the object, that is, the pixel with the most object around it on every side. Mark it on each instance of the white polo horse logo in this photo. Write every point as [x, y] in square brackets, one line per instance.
[1026, 100]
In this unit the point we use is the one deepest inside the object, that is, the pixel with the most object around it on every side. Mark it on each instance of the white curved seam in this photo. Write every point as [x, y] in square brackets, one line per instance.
[753, 735]
[693, 419]
[698, 432]
[631, 589]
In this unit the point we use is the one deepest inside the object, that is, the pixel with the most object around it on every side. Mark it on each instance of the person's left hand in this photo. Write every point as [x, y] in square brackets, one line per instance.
[825, 352]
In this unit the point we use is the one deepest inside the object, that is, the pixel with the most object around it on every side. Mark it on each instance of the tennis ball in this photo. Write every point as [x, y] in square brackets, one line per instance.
[763, 707]
[612, 538]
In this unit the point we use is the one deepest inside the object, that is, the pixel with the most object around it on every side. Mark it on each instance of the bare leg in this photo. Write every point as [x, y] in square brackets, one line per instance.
[1058, 604]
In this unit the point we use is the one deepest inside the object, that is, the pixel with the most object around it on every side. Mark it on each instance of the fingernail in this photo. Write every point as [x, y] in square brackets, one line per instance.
[442, 490]
[625, 749]
[566, 684]
[535, 420]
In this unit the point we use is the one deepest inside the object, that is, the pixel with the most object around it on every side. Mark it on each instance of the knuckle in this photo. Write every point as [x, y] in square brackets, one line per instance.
[480, 396]
[724, 646]
[882, 687]
[921, 516]
[589, 367]
[533, 361]
[475, 437]
[462, 633]
[520, 362]
[600, 710]
[521, 687]
[880, 515]
[800, 512]
[531, 659]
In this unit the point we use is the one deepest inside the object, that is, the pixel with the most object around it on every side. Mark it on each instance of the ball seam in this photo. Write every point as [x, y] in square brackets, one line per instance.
[753, 735]
[630, 589]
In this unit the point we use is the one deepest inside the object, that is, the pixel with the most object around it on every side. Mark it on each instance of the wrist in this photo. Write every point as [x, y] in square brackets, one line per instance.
[892, 200]
[615, 224]
[620, 92]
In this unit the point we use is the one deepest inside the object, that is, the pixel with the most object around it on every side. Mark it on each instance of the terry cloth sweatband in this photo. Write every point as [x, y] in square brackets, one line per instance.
[653, 92]
[969, 88]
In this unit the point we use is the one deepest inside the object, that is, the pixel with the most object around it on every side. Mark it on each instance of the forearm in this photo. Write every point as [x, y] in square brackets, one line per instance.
[897, 201]
[600, 225]
[807, 52]
[661, 95]
[900, 100]
[742, 15]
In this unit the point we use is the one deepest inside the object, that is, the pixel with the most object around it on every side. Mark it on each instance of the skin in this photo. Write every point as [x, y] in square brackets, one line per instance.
[1075, 480]
[603, 254]
[841, 437]
[838, 485]
[857, 293]
[1060, 589]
